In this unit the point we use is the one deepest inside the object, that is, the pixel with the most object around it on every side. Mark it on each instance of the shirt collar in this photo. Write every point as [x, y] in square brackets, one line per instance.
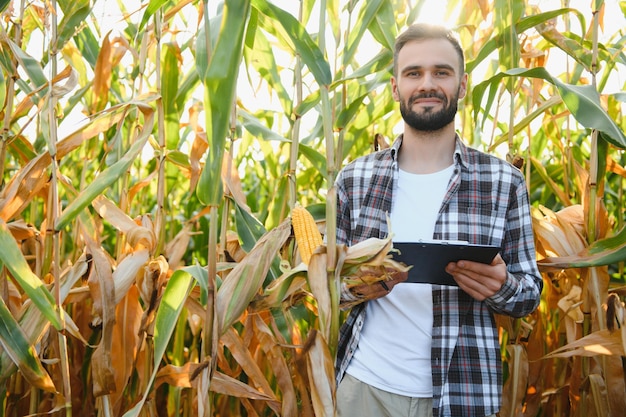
[460, 150]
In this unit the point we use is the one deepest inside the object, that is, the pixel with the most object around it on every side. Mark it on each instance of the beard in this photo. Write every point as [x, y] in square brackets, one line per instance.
[429, 120]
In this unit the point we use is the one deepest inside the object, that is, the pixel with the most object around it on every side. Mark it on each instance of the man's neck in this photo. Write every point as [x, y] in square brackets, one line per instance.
[427, 152]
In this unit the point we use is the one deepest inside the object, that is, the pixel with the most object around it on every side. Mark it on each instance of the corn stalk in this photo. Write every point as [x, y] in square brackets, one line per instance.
[54, 210]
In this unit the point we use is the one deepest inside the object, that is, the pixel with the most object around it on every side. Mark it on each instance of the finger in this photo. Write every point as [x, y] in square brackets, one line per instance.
[471, 286]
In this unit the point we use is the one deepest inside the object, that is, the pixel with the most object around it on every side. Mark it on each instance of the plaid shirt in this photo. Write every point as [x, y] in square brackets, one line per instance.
[486, 203]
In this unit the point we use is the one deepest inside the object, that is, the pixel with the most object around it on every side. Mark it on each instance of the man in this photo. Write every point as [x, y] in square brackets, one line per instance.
[422, 349]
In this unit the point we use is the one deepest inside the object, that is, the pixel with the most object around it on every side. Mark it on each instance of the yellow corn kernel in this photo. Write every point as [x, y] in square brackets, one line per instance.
[308, 236]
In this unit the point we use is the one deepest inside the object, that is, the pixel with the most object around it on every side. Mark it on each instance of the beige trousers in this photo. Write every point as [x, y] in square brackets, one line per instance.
[357, 399]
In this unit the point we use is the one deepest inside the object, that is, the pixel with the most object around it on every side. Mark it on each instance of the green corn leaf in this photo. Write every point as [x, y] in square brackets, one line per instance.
[367, 17]
[597, 4]
[88, 46]
[74, 14]
[308, 104]
[242, 284]
[258, 129]
[108, 176]
[521, 26]
[508, 13]
[219, 92]
[583, 101]
[16, 345]
[169, 90]
[152, 8]
[186, 88]
[310, 53]
[31, 66]
[33, 322]
[170, 307]
[381, 63]
[383, 27]
[202, 53]
[317, 159]
[265, 64]
[12, 258]
[249, 228]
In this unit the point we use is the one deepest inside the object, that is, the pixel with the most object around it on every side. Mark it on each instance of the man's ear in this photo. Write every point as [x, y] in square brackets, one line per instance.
[463, 86]
[394, 89]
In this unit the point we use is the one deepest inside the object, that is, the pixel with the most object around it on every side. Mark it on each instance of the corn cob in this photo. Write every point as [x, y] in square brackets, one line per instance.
[308, 236]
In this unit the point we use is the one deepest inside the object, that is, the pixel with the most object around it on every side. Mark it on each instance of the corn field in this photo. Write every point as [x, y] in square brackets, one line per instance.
[149, 166]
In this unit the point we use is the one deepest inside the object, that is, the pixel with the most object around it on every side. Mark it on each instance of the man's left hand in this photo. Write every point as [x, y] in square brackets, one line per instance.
[477, 279]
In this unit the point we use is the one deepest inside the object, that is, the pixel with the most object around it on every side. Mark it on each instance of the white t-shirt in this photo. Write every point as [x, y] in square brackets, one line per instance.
[394, 348]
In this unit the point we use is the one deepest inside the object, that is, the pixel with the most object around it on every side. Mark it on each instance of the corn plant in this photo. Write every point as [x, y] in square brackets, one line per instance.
[148, 264]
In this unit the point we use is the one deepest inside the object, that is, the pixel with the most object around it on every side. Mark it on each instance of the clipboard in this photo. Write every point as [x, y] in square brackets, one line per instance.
[429, 259]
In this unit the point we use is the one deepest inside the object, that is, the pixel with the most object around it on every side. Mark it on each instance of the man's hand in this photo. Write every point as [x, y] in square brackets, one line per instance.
[479, 280]
[380, 288]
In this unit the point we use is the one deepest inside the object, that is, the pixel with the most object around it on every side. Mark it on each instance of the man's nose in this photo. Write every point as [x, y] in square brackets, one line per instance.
[428, 82]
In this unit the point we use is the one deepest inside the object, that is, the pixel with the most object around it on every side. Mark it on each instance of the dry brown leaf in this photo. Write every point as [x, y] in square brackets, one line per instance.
[185, 377]
[278, 364]
[198, 147]
[110, 55]
[514, 390]
[151, 285]
[290, 287]
[126, 272]
[538, 370]
[140, 185]
[137, 236]
[226, 385]
[321, 373]
[232, 183]
[21, 230]
[14, 302]
[178, 376]
[23, 187]
[127, 341]
[570, 304]
[233, 247]
[317, 278]
[594, 395]
[614, 167]
[241, 354]
[102, 290]
[78, 271]
[101, 123]
[58, 89]
[197, 312]
[102, 372]
[557, 234]
[615, 382]
[601, 342]
[176, 248]
[25, 106]
[113, 214]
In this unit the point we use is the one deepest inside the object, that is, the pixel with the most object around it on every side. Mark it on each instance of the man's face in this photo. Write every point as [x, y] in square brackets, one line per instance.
[429, 84]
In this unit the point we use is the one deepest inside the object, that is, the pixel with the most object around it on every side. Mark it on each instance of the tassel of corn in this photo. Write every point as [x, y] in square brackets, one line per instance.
[308, 236]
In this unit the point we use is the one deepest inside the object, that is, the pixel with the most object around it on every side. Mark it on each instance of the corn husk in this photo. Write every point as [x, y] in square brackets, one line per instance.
[369, 262]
